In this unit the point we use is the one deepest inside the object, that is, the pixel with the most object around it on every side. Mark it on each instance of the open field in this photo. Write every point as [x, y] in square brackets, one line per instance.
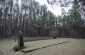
[73, 47]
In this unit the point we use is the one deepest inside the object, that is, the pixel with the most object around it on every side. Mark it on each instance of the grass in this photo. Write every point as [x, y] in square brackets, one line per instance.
[74, 47]
[31, 46]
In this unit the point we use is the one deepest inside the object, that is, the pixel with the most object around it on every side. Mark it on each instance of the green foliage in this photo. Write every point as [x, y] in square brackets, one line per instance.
[75, 17]
[27, 17]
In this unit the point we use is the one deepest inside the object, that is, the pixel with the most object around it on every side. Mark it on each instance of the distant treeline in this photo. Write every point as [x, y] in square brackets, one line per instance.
[34, 19]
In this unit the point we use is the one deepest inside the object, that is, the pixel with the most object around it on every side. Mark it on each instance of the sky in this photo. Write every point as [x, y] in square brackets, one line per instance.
[53, 8]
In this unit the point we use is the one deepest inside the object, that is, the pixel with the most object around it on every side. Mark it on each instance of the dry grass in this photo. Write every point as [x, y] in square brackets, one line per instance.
[75, 47]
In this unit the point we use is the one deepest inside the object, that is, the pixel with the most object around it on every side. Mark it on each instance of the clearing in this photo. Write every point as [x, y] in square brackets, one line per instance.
[59, 46]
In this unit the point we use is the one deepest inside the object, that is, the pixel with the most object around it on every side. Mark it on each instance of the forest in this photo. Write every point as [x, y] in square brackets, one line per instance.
[35, 20]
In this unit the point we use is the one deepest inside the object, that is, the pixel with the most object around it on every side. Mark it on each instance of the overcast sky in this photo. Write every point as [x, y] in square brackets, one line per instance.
[54, 8]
